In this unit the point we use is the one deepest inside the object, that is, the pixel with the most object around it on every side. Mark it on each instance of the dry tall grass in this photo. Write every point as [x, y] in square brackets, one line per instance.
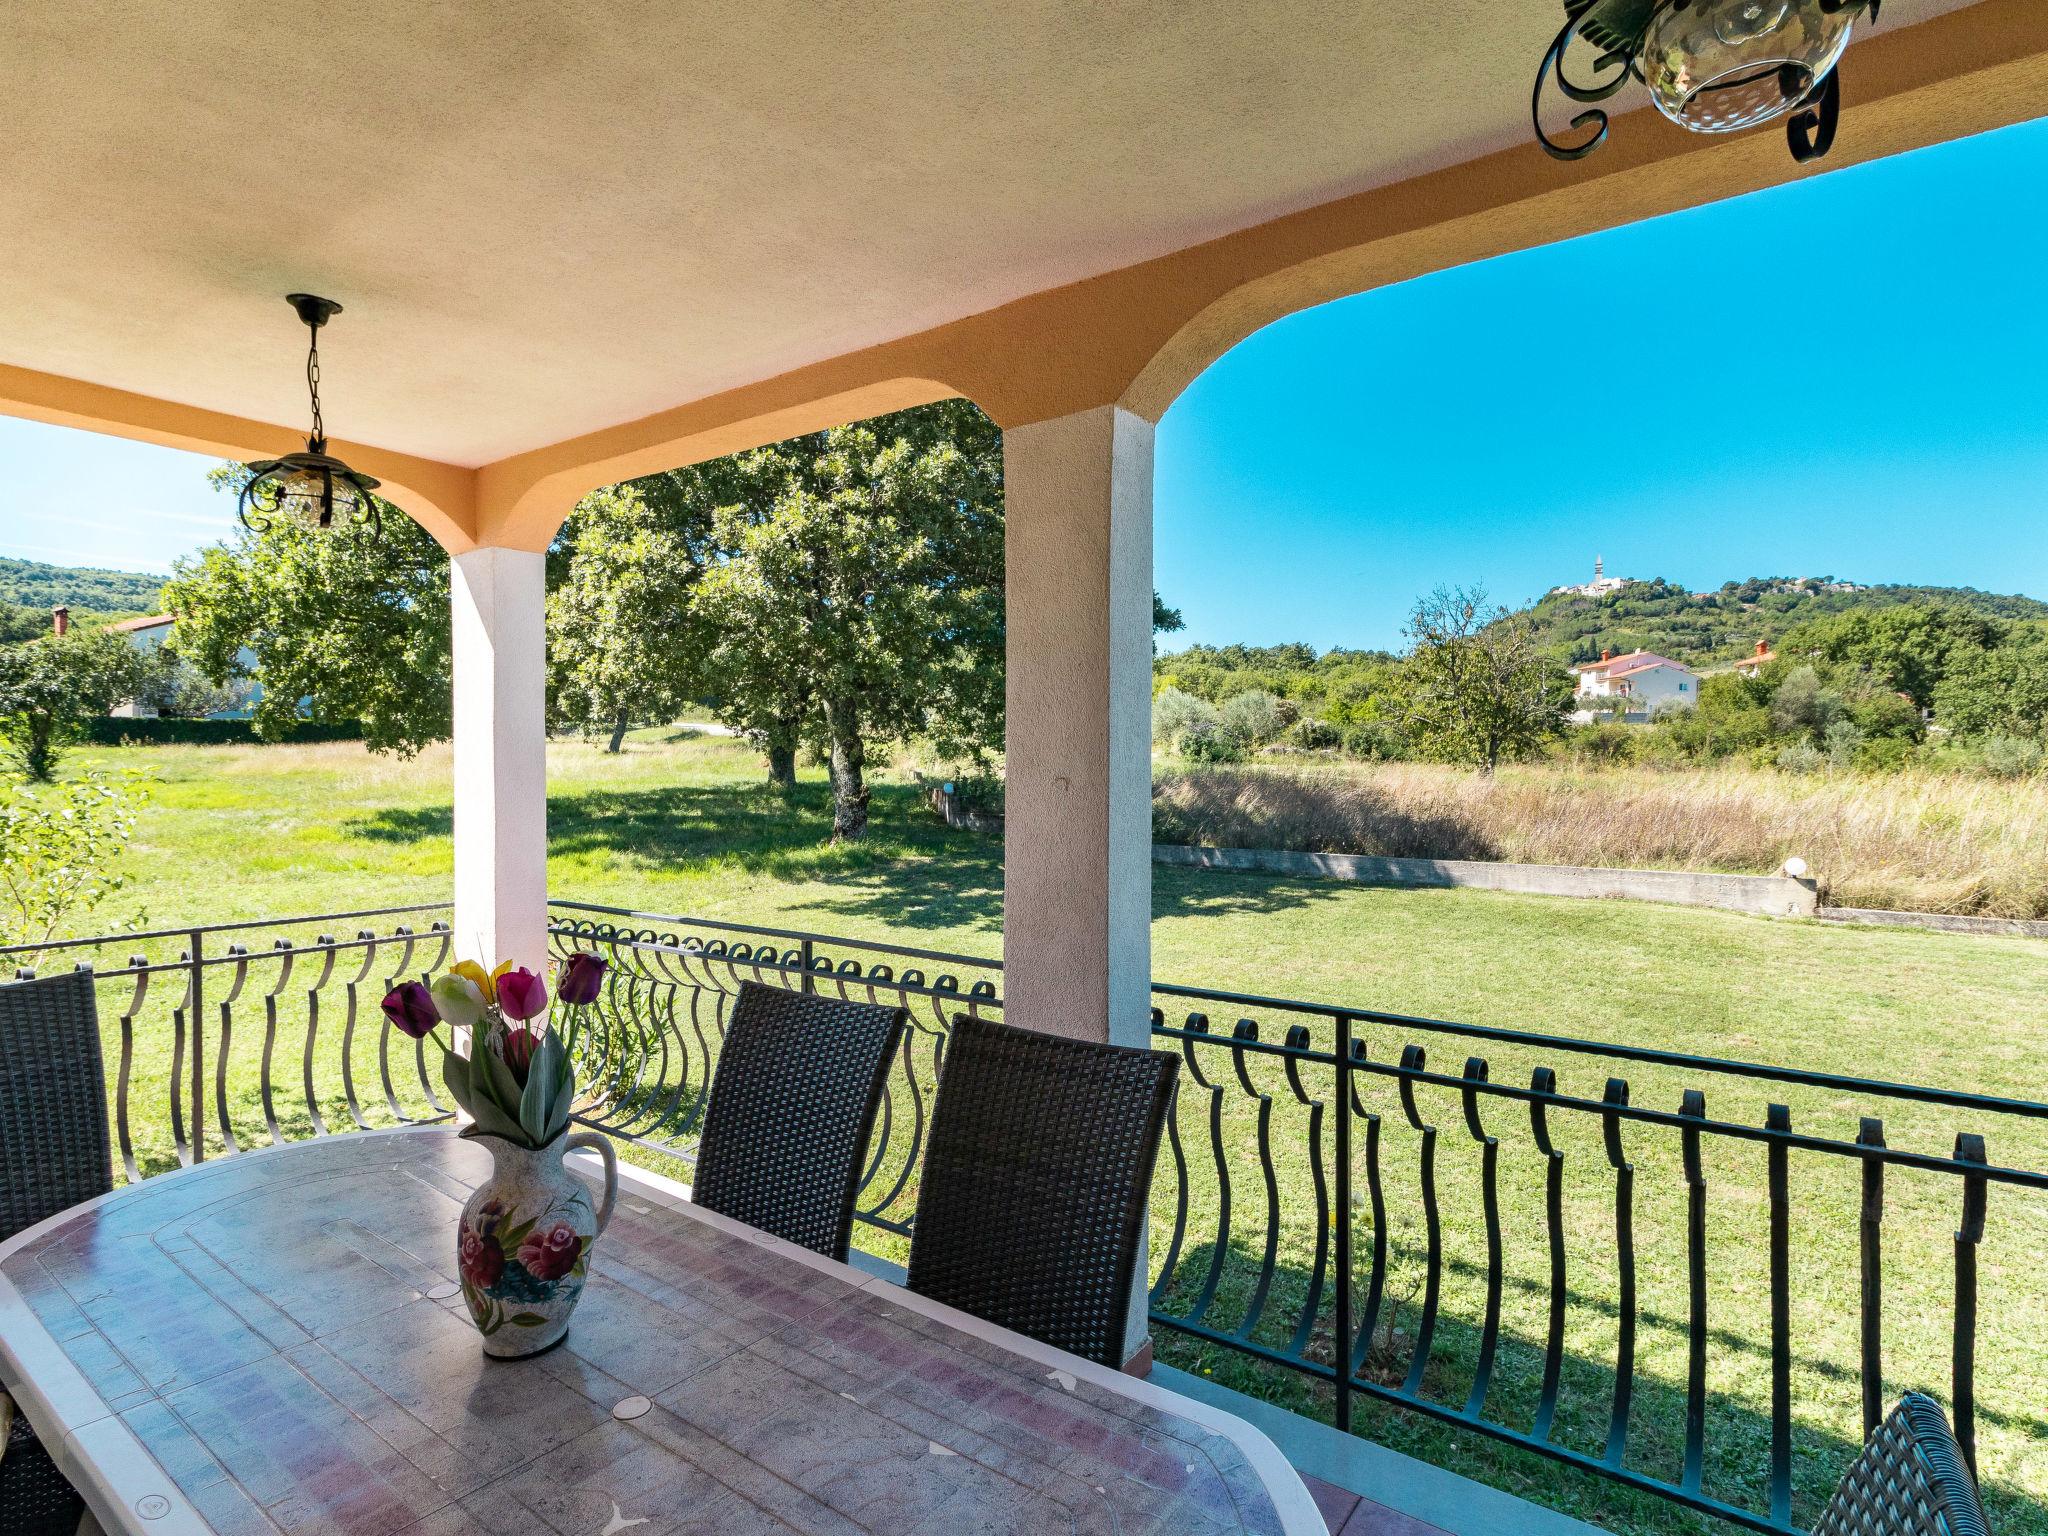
[1925, 842]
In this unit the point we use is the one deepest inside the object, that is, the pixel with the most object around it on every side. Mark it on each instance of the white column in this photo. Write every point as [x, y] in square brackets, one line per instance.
[1077, 868]
[501, 792]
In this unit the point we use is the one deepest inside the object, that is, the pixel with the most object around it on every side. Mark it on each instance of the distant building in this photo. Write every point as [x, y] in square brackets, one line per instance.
[148, 632]
[1645, 679]
[1757, 660]
[1599, 586]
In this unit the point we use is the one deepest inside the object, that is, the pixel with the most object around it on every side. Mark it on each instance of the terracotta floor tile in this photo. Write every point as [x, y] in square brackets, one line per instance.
[1370, 1519]
[1335, 1503]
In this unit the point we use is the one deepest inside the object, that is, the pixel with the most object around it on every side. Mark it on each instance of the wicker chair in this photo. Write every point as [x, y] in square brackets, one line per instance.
[53, 1144]
[1911, 1480]
[792, 1105]
[1033, 1200]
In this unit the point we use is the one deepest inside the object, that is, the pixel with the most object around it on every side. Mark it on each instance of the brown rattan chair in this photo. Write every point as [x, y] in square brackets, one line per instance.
[1033, 1200]
[54, 1147]
[1911, 1480]
[792, 1105]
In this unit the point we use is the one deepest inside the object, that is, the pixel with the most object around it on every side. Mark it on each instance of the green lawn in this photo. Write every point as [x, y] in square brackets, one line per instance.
[680, 823]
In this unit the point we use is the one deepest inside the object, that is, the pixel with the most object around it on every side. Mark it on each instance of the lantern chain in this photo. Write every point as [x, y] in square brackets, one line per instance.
[319, 443]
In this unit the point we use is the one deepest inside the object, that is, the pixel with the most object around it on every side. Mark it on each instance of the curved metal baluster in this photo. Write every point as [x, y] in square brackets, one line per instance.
[284, 974]
[348, 1028]
[1778, 1117]
[240, 955]
[178, 1014]
[1963, 1345]
[403, 968]
[1414, 1059]
[1298, 1039]
[1693, 1106]
[1171, 1261]
[1625, 1264]
[1489, 1156]
[1376, 1286]
[324, 944]
[1248, 1029]
[1544, 1080]
[1199, 1024]
[137, 964]
[419, 1047]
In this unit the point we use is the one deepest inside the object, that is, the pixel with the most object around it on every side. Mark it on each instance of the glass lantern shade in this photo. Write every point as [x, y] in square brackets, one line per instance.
[1717, 65]
[310, 489]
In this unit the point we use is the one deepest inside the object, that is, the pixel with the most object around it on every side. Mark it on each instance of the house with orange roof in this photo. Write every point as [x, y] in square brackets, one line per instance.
[1757, 660]
[1644, 679]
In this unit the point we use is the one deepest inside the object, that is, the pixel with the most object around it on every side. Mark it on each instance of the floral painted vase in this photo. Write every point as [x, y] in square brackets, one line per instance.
[523, 1248]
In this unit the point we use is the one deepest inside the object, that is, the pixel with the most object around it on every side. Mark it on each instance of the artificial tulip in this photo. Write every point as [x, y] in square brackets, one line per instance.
[521, 994]
[460, 1000]
[581, 979]
[410, 1008]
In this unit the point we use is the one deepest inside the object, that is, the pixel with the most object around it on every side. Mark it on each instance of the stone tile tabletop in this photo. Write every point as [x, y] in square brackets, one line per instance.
[270, 1343]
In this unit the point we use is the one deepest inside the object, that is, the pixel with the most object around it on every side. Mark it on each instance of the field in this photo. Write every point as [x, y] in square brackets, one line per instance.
[1916, 841]
[680, 823]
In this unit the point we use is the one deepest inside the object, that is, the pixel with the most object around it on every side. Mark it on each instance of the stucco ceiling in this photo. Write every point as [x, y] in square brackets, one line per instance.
[549, 218]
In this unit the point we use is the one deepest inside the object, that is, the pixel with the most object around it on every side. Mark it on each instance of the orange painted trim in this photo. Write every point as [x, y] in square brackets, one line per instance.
[441, 497]
[1137, 336]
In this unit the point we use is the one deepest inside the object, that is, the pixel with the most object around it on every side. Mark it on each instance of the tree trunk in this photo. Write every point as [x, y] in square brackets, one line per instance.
[849, 785]
[781, 743]
[618, 733]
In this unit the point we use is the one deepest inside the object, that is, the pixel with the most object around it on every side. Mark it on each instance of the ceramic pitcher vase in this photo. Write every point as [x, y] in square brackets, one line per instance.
[523, 1248]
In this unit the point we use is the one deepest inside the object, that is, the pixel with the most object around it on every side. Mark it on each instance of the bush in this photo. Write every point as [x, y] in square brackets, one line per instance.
[165, 731]
[1313, 735]
[1600, 744]
[1840, 740]
[1174, 713]
[60, 851]
[2010, 757]
[1801, 757]
[1206, 741]
[1254, 717]
[1378, 741]
[1884, 754]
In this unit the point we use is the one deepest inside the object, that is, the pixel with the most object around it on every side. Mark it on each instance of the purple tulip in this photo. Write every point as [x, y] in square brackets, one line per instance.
[410, 1008]
[581, 979]
[521, 994]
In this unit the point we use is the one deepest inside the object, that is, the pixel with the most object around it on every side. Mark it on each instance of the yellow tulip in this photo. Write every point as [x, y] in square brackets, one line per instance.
[484, 981]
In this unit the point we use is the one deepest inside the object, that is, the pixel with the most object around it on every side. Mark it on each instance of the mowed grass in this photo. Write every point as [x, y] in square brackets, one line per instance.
[681, 823]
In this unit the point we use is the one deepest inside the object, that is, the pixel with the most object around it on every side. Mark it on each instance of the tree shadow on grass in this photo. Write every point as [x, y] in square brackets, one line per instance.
[911, 871]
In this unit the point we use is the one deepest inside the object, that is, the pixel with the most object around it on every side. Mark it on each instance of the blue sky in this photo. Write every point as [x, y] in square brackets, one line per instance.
[1845, 376]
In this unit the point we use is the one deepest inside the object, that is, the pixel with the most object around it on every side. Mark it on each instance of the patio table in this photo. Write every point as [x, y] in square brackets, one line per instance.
[274, 1342]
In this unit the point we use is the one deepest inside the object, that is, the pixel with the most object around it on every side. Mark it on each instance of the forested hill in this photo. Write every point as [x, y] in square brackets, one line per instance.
[84, 589]
[1713, 628]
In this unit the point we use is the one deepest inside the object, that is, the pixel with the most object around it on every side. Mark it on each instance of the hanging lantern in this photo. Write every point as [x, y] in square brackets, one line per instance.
[1712, 66]
[312, 488]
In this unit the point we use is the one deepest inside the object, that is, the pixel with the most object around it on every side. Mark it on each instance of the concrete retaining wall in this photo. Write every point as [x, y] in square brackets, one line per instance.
[1770, 895]
[1940, 922]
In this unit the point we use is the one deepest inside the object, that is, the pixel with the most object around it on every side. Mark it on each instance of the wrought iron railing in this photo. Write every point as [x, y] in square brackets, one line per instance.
[1551, 1243]
[229, 1035]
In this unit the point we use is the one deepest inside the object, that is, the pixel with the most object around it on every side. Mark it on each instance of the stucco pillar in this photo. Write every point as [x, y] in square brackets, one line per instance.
[1077, 869]
[501, 796]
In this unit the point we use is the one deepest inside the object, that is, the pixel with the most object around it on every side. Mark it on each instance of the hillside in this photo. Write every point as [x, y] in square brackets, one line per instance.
[84, 589]
[1706, 629]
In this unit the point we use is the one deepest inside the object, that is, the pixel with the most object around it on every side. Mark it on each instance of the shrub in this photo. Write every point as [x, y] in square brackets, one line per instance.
[1801, 757]
[1206, 741]
[1884, 754]
[1174, 712]
[166, 731]
[1840, 741]
[1254, 717]
[1600, 743]
[1313, 735]
[60, 850]
[2010, 757]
